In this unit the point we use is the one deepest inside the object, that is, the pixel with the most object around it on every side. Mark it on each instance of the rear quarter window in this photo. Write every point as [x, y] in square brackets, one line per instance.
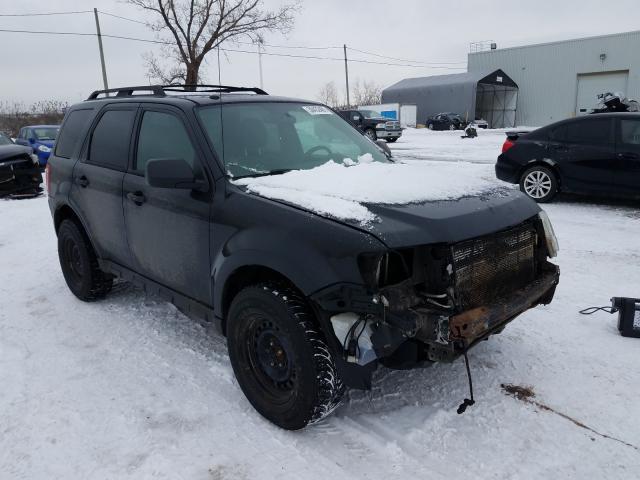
[72, 131]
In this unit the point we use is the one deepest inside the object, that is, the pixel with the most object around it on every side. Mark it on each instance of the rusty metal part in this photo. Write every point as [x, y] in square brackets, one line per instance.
[475, 323]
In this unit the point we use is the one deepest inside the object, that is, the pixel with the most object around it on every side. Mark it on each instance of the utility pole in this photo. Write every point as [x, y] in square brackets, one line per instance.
[260, 61]
[346, 74]
[104, 69]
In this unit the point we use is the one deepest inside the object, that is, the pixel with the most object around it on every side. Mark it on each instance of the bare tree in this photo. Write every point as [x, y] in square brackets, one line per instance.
[193, 28]
[328, 94]
[366, 93]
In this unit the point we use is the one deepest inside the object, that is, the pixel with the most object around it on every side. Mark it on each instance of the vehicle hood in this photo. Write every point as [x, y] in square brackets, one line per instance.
[9, 152]
[403, 204]
[448, 221]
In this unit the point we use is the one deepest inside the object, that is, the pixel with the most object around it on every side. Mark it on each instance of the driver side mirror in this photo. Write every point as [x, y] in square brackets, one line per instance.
[172, 173]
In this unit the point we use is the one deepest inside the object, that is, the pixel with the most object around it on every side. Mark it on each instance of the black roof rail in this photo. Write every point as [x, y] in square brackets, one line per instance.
[160, 90]
[203, 88]
[156, 90]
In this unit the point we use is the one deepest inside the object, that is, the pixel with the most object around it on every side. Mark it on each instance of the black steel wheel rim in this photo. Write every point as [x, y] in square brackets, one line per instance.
[271, 360]
[73, 257]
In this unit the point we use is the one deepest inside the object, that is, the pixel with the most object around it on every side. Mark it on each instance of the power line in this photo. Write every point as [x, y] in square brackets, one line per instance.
[273, 54]
[122, 18]
[296, 47]
[404, 59]
[43, 14]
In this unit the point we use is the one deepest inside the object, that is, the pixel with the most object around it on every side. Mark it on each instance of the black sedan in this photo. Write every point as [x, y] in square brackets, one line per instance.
[445, 121]
[595, 155]
[19, 171]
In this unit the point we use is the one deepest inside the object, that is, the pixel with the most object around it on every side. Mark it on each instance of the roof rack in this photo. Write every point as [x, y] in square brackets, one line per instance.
[160, 90]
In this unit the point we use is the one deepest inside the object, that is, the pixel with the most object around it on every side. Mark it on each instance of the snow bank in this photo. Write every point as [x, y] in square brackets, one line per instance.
[342, 191]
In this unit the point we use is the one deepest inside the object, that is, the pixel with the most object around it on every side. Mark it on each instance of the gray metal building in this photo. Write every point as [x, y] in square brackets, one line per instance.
[561, 79]
[488, 94]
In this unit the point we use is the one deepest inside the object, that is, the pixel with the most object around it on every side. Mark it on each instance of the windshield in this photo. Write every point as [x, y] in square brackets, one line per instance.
[370, 114]
[4, 140]
[263, 138]
[46, 133]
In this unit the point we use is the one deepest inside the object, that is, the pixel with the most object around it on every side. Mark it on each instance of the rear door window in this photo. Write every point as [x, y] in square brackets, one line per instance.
[630, 132]
[110, 139]
[71, 132]
[596, 131]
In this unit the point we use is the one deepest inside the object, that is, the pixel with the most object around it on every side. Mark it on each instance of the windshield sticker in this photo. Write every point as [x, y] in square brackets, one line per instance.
[316, 110]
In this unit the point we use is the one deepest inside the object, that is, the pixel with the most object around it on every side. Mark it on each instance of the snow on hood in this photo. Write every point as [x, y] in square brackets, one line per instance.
[343, 191]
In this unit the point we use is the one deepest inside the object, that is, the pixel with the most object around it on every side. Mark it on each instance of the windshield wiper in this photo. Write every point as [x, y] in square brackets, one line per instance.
[278, 171]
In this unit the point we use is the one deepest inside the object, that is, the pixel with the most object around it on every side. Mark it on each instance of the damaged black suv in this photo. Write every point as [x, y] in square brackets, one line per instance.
[145, 184]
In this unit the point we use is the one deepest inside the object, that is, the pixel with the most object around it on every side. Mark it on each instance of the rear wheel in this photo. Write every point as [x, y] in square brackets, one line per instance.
[539, 183]
[80, 265]
[430, 126]
[452, 127]
[280, 358]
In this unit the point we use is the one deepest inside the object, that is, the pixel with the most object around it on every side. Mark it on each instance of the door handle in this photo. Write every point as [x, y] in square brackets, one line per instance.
[136, 197]
[628, 156]
[83, 181]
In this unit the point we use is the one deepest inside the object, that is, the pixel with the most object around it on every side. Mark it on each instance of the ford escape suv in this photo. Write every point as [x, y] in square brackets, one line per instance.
[149, 184]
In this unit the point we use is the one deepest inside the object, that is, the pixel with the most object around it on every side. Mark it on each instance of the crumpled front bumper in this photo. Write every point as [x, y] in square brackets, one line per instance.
[425, 333]
[478, 323]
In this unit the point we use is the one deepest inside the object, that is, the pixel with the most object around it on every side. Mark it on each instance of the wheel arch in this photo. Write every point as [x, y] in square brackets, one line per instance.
[545, 162]
[245, 276]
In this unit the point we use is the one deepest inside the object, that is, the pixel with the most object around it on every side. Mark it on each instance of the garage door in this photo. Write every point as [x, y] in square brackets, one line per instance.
[592, 84]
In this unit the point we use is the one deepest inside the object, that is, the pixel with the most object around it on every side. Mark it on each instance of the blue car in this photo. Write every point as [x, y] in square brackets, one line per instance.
[40, 138]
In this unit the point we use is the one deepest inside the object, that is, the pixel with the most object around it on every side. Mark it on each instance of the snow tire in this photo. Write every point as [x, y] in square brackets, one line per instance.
[80, 265]
[312, 389]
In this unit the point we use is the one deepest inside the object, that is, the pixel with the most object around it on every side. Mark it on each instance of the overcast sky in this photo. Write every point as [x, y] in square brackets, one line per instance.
[37, 67]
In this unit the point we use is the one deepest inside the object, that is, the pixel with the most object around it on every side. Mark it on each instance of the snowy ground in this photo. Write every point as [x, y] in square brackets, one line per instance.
[130, 388]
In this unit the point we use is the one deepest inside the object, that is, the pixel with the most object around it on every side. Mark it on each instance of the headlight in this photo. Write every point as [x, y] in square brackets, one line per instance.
[381, 126]
[43, 149]
[549, 234]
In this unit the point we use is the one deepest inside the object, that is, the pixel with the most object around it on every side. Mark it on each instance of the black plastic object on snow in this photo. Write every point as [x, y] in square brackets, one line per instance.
[628, 314]
[615, 102]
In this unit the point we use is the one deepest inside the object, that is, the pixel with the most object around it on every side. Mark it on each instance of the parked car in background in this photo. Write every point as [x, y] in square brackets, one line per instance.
[19, 171]
[445, 121]
[597, 154]
[373, 125]
[40, 138]
[479, 123]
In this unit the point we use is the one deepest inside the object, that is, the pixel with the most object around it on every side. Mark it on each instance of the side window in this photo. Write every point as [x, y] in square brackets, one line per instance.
[70, 134]
[630, 132]
[590, 131]
[110, 139]
[163, 135]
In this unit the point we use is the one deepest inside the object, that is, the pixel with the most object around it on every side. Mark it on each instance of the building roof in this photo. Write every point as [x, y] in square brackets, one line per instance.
[455, 79]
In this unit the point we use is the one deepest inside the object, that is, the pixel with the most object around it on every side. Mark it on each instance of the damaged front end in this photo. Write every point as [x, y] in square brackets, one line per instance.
[19, 172]
[432, 303]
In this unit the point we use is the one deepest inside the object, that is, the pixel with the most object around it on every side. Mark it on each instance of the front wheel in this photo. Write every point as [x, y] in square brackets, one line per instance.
[539, 183]
[452, 127]
[280, 357]
[430, 126]
[369, 132]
